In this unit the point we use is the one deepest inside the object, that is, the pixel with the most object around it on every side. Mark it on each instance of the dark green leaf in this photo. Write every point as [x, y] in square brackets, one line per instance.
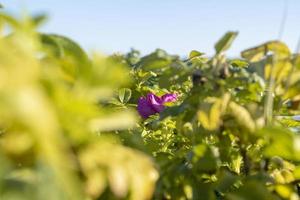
[251, 190]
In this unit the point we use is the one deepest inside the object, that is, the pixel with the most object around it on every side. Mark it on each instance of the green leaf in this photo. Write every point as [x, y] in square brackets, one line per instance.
[203, 191]
[293, 91]
[10, 20]
[226, 181]
[155, 61]
[124, 95]
[66, 48]
[251, 190]
[296, 173]
[72, 58]
[281, 142]
[205, 158]
[225, 42]
[242, 116]
[239, 63]
[128, 171]
[194, 54]
[39, 19]
[256, 54]
[172, 111]
[285, 191]
[124, 119]
[209, 114]
[289, 122]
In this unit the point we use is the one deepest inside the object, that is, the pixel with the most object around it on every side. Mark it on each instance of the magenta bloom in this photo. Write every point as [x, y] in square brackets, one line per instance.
[153, 104]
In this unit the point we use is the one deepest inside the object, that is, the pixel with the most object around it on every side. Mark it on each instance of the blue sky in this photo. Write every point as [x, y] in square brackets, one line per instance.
[177, 26]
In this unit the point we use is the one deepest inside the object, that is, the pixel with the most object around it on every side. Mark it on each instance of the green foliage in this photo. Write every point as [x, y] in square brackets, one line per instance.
[124, 95]
[225, 42]
[52, 113]
[69, 129]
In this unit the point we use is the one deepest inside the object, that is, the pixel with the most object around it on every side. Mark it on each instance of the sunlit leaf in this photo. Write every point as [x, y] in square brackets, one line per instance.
[225, 42]
[257, 53]
[239, 63]
[283, 143]
[194, 54]
[124, 95]
[242, 116]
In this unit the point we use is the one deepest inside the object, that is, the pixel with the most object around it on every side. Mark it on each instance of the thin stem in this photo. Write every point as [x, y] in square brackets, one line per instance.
[269, 100]
[283, 20]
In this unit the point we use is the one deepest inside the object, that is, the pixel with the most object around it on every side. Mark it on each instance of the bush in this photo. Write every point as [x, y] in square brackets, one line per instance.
[69, 127]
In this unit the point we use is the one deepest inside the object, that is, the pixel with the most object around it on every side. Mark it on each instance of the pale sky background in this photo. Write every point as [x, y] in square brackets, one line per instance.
[177, 26]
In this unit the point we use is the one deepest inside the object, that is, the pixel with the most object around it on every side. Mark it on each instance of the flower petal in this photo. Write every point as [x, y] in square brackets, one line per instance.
[169, 97]
[155, 102]
[144, 108]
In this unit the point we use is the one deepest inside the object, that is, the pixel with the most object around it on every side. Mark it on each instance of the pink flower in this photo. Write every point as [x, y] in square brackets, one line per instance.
[153, 104]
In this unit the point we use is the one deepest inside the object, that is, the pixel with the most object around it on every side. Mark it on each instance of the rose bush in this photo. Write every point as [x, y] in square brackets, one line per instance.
[210, 127]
